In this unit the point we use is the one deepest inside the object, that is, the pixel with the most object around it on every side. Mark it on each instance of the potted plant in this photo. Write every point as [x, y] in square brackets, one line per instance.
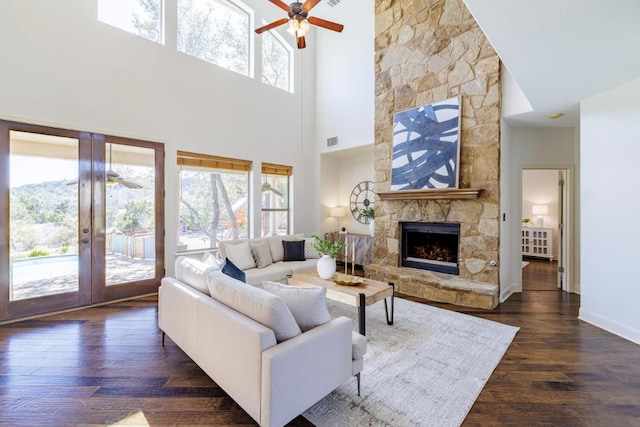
[329, 249]
[369, 213]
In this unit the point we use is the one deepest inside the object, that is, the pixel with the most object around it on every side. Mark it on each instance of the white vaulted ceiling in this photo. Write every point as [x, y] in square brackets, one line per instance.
[561, 52]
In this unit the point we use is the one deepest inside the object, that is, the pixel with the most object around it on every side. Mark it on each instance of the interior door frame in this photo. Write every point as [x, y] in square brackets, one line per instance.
[91, 193]
[568, 220]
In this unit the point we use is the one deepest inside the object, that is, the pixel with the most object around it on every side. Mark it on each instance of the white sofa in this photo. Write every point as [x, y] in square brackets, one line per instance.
[272, 381]
[277, 269]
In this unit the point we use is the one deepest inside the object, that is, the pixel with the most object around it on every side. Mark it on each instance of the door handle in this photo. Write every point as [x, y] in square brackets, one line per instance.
[85, 240]
[85, 230]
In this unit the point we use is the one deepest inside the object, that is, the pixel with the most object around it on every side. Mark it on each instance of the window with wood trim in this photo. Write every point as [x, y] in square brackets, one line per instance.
[214, 202]
[275, 208]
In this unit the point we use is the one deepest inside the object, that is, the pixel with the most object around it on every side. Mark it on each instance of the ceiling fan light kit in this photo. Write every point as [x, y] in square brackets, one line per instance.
[299, 20]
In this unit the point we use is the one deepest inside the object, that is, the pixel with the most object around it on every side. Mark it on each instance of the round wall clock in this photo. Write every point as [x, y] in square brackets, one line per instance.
[361, 198]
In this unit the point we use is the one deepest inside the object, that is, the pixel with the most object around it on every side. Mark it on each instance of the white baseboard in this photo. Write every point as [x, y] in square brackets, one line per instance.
[610, 325]
[510, 290]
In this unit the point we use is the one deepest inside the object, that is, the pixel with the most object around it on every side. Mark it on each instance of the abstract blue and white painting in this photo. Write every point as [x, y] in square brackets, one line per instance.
[426, 146]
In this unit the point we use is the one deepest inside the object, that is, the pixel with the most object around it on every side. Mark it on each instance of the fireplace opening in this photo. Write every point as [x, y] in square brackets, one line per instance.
[431, 246]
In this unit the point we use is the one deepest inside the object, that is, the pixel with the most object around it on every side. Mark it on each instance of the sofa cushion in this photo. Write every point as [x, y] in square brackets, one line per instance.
[293, 250]
[309, 249]
[308, 304]
[231, 270]
[359, 345]
[275, 244]
[300, 266]
[241, 255]
[277, 271]
[261, 253]
[257, 304]
[194, 273]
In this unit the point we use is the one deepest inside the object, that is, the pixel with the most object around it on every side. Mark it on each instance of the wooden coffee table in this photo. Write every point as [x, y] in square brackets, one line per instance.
[367, 293]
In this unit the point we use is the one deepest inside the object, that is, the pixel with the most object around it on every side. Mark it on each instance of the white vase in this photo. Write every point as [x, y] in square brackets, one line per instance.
[372, 227]
[326, 267]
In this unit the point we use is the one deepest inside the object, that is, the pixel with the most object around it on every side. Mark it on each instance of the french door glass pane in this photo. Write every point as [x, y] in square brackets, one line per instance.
[43, 215]
[129, 209]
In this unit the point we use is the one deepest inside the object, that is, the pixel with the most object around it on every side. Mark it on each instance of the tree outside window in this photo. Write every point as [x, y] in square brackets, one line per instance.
[276, 61]
[213, 201]
[140, 17]
[215, 31]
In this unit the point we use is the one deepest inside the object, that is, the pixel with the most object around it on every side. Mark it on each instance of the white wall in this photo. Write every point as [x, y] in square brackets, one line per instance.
[345, 82]
[343, 171]
[536, 148]
[61, 67]
[510, 270]
[345, 78]
[610, 131]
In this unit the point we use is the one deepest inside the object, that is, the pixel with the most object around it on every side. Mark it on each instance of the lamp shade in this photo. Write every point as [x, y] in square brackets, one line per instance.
[540, 209]
[337, 212]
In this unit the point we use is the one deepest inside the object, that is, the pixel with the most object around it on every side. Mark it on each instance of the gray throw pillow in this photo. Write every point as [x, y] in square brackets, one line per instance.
[262, 253]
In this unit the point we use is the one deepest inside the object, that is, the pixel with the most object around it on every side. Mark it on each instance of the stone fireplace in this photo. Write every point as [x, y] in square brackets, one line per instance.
[430, 246]
[427, 52]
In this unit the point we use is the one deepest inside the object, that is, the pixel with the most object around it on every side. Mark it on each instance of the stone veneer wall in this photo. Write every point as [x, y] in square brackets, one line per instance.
[428, 51]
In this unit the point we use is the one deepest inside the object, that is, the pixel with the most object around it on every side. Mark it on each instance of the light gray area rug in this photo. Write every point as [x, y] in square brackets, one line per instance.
[425, 370]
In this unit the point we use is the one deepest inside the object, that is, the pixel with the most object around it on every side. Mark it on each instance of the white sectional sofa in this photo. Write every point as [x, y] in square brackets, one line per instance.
[274, 266]
[273, 372]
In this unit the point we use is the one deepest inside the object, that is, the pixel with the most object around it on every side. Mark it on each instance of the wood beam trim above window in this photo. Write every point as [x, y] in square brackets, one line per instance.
[274, 169]
[214, 162]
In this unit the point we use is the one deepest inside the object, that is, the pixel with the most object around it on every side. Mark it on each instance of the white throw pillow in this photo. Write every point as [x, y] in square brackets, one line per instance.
[309, 251]
[255, 303]
[241, 255]
[262, 253]
[194, 273]
[308, 304]
[211, 259]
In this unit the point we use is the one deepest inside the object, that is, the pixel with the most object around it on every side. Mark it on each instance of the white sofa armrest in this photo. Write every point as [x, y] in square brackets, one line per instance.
[299, 372]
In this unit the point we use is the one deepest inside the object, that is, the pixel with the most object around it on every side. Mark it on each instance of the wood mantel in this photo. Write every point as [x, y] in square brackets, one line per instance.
[438, 193]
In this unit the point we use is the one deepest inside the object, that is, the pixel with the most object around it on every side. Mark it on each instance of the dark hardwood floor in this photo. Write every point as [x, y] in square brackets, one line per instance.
[105, 365]
[540, 275]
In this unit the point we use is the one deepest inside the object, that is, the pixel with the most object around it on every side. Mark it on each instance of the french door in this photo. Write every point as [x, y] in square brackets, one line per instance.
[82, 217]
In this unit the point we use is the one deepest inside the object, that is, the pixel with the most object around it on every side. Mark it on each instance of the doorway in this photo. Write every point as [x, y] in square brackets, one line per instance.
[83, 219]
[544, 237]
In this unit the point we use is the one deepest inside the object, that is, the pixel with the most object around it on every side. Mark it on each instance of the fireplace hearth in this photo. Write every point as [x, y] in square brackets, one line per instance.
[430, 246]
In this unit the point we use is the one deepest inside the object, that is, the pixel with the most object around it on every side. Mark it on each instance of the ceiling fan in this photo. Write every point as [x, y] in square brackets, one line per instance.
[299, 20]
[113, 177]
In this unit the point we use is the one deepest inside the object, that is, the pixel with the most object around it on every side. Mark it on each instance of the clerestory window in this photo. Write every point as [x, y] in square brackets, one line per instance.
[277, 61]
[140, 17]
[216, 31]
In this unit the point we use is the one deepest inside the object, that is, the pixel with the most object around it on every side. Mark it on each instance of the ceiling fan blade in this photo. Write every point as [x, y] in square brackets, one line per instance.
[310, 4]
[128, 184]
[325, 24]
[301, 43]
[272, 25]
[282, 5]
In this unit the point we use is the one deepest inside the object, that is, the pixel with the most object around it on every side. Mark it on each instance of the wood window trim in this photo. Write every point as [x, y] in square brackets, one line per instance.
[185, 158]
[275, 169]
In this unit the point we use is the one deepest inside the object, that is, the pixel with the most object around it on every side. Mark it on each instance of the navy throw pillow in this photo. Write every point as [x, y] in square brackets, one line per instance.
[231, 270]
[293, 250]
